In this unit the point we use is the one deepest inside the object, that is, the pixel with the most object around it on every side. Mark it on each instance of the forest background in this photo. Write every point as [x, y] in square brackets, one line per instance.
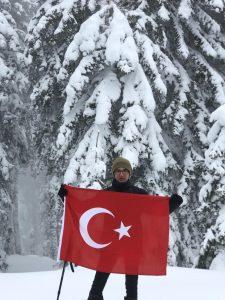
[83, 81]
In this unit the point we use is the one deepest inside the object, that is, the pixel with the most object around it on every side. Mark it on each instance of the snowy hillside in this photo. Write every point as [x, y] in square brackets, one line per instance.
[179, 284]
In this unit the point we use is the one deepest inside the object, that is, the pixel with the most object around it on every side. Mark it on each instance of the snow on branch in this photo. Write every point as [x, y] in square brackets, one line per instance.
[158, 159]
[182, 47]
[88, 162]
[149, 64]
[217, 5]
[87, 39]
[201, 41]
[164, 63]
[143, 20]
[120, 45]
[6, 72]
[164, 13]
[219, 116]
[215, 158]
[79, 80]
[5, 166]
[100, 102]
[208, 22]
[136, 116]
[8, 33]
[214, 78]
[185, 9]
[104, 39]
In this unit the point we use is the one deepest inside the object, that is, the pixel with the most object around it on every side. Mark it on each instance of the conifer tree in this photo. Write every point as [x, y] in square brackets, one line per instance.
[13, 140]
[133, 78]
[212, 193]
[49, 35]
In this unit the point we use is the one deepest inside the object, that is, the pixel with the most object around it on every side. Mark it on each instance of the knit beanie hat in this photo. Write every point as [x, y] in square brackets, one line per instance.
[121, 162]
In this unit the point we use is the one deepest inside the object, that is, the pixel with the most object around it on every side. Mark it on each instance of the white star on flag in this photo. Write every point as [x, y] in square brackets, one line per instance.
[123, 230]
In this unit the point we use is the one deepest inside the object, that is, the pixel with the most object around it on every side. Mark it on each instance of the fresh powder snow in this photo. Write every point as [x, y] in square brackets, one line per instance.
[180, 283]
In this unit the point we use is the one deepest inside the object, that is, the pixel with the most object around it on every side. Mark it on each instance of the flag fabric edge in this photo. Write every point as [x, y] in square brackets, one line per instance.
[88, 266]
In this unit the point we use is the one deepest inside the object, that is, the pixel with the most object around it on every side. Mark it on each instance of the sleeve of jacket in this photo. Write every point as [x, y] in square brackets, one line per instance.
[137, 190]
[62, 192]
[142, 191]
[174, 202]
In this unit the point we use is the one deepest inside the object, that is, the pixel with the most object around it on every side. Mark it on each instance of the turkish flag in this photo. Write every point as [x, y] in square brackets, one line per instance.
[115, 232]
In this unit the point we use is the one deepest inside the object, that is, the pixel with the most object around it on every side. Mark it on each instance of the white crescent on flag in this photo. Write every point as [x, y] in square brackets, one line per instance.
[83, 223]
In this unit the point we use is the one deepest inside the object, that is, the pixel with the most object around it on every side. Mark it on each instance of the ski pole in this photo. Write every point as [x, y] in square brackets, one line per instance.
[61, 280]
[71, 267]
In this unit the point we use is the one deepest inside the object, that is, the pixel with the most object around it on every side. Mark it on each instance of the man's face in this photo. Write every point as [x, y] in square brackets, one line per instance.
[121, 175]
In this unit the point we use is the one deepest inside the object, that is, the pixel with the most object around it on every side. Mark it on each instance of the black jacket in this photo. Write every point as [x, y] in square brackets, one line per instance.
[126, 187]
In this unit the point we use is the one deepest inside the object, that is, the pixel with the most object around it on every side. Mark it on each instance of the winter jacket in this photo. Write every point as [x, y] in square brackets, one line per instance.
[126, 187]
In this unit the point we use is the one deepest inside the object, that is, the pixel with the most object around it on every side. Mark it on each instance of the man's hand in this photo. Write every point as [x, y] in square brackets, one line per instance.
[62, 192]
[175, 202]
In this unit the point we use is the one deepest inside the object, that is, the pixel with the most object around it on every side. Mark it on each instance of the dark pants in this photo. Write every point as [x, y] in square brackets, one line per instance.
[101, 279]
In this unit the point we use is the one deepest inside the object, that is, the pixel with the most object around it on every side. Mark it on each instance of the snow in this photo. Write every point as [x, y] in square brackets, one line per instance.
[93, 145]
[211, 25]
[180, 283]
[215, 79]
[218, 262]
[29, 263]
[146, 46]
[219, 49]
[135, 118]
[120, 49]
[5, 166]
[164, 13]
[141, 54]
[137, 90]
[66, 7]
[4, 70]
[6, 28]
[29, 202]
[86, 38]
[8, 39]
[185, 9]
[120, 45]
[158, 159]
[219, 115]
[107, 91]
[143, 20]
[217, 4]
[182, 46]
[165, 64]
[117, 39]
[206, 47]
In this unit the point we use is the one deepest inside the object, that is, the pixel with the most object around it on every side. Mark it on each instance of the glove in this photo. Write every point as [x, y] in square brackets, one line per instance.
[175, 202]
[176, 198]
[62, 192]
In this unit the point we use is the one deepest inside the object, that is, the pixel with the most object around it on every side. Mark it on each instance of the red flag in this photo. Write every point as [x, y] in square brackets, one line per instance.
[115, 232]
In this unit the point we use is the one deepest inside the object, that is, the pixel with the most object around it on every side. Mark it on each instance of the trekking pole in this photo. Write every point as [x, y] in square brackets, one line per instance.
[61, 280]
[71, 267]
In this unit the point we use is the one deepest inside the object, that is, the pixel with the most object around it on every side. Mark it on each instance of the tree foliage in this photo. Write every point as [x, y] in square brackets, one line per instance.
[143, 79]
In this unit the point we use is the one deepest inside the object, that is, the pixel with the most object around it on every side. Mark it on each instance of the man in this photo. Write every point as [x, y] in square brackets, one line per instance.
[122, 170]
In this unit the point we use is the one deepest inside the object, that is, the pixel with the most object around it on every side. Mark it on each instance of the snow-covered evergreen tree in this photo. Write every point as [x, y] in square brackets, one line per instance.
[49, 35]
[13, 140]
[133, 78]
[212, 193]
[101, 77]
[193, 35]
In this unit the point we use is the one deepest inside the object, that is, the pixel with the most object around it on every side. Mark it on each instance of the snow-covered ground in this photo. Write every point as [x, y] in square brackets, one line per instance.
[30, 263]
[179, 284]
